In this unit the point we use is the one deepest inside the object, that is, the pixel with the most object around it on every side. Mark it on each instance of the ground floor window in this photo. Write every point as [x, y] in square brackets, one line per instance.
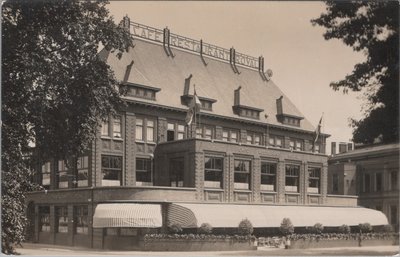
[81, 219]
[143, 172]
[314, 180]
[242, 174]
[176, 170]
[83, 171]
[111, 168]
[46, 175]
[292, 178]
[268, 176]
[61, 218]
[213, 172]
[44, 218]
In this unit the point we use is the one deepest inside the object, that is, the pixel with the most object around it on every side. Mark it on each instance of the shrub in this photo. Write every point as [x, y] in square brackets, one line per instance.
[345, 229]
[387, 228]
[286, 227]
[365, 227]
[318, 228]
[205, 228]
[245, 227]
[175, 228]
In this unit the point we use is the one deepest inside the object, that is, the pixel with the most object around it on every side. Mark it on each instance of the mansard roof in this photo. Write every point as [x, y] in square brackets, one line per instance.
[216, 80]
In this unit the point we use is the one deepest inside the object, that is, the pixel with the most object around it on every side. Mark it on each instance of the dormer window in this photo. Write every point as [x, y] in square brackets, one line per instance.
[243, 110]
[206, 103]
[283, 116]
[140, 91]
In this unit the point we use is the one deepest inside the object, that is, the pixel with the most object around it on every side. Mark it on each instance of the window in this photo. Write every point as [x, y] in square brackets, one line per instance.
[104, 128]
[367, 183]
[296, 144]
[205, 132]
[249, 113]
[378, 182]
[143, 172]
[394, 218]
[81, 219]
[393, 179]
[44, 218]
[146, 93]
[268, 176]
[139, 129]
[150, 131]
[46, 175]
[83, 171]
[206, 105]
[290, 121]
[335, 183]
[62, 174]
[292, 178]
[111, 168]
[213, 172]
[316, 148]
[314, 180]
[145, 129]
[179, 133]
[242, 174]
[275, 141]
[117, 127]
[229, 135]
[61, 213]
[176, 172]
[253, 138]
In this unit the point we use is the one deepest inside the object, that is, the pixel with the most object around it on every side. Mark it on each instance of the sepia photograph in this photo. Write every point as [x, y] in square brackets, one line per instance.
[200, 128]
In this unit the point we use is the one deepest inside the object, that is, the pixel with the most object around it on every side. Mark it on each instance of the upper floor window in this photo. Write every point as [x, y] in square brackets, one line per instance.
[292, 178]
[143, 172]
[175, 131]
[117, 127]
[205, 132]
[249, 113]
[275, 141]
[378, 182]
[145, 129]
[296, 144]
[314, 180]
[46, 175]
[316, 148]
[291, 121]
[62, 174]
[83, 171]
[394, 179]
[242, 174]
[105, 128]
[142, 92]
[111, 168]
[61, 213]
[206, 105]
[268, 176]
[230, 135]
[253, 138]
[213, 172]
[81, 219]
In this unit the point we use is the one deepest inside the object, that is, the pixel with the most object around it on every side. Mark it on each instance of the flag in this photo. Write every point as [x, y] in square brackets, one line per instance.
[318, 130]
[193, 108]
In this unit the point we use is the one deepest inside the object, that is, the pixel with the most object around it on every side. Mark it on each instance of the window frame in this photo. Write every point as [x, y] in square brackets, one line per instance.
[296, 178]
[112, 160]
[313, 178]
[61, 212]
[203, 132]
[81, 219]
[45, 175]
[44, 218]
[176, 130]
[268, 174]
[275, 139]
[239, 173]
[144, 129]
[214, 169]
[230, 133]
[147, 162]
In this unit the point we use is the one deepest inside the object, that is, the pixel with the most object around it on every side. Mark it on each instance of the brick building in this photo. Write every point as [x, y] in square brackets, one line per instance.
[248, 152]
[371, 173]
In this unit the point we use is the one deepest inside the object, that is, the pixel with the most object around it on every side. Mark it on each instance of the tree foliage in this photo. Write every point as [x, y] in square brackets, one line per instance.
[56, 89]
[245, 227]
[286, 227]
[371, 27]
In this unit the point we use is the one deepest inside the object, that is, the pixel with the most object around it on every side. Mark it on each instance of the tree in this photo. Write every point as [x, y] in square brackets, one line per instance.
[286, 227]
[245, 227]
[371, 27]
[56, 90]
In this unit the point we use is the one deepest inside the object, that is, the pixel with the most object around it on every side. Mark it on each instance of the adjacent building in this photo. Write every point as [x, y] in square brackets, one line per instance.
[371, 173]
[245, 152]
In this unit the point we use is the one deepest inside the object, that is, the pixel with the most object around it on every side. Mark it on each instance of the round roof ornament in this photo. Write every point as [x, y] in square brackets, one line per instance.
[269, 73]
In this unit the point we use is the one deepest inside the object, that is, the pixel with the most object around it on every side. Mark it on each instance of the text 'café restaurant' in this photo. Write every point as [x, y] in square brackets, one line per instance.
[247, 153]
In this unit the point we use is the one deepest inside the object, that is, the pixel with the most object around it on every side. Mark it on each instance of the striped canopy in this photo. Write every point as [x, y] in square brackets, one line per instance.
[229, 215]
[127, 215]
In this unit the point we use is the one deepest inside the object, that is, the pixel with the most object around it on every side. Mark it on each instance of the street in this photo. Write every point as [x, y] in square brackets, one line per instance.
[53, 250]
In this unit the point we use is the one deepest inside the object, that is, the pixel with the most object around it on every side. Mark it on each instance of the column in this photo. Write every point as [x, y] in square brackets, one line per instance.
[198, 159]
[130, 159]
[324, 182]
[280, 198]
[256, 179]
[71, 224]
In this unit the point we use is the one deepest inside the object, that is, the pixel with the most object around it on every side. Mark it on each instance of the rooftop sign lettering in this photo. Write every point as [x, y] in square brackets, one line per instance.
[156, 35]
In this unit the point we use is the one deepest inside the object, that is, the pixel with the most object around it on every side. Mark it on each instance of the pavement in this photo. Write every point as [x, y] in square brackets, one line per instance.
[56, 250]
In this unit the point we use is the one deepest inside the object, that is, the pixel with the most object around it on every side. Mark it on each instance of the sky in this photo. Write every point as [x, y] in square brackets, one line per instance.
[302, 61]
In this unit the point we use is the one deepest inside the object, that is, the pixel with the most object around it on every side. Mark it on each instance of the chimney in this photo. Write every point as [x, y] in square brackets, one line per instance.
[279, 105]
[333, 147]
[236, 100]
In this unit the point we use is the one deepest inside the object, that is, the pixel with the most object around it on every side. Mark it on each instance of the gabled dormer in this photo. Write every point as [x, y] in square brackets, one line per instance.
[186, 98]
[140, 91]
[283, 114]
[244, 110]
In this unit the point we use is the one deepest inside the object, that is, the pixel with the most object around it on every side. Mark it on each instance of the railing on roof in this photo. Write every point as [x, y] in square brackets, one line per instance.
[157, 35]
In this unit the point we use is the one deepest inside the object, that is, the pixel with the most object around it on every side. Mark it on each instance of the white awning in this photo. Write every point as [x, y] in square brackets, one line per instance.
[229, 215]
[127, 215]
